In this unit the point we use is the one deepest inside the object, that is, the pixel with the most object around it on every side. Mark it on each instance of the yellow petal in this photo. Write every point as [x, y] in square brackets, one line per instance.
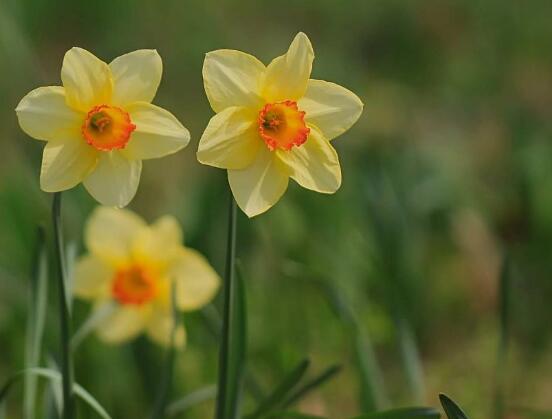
[231, 139]
[159, 328]
[44, 115]
[259, 186]
[315, 164]
[136, 76]
[92, 277]
[232, 78]
[331, 107]
[65, 163]
[287, 76]
[87, 80]
[115, 179]
[158, 133]
[110, 233]
[124, 323]
[160, 242]
[196, 281]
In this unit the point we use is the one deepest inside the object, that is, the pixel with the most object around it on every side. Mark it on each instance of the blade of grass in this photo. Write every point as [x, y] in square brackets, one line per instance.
[311, 385]
[451, 409]
[64, 316]
[233, 337]
[95, 318]
[277, 397]
[35, 324]
[190, 400]
[404, 413]
[166, 382]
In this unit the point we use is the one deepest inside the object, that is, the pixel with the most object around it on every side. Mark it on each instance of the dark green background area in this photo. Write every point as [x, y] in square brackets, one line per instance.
[448, 168]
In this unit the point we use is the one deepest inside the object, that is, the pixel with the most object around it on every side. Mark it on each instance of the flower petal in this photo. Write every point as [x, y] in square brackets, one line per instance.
[158, 132]
[286, 77]
[110, 233]
[196, 281]
[232, 78]
[136, 76]
[44, 115]
[115, 179]
[86, 78]
[160, 242]
[159, 328]
[65, 163]
[259, 186]
[124, 323]
[92, 277]
[231, 140]
[331, 107]
[315, 164]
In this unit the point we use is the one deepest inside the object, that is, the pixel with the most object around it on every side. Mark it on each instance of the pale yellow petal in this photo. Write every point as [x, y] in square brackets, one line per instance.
[196, 281]
[44, 115]
[136, 76]
[65, 163]
[115, 179]
[87, 80]
[232, 78]
[259, 186]
[286, 77]
[124, 323]
[110, 233]
[231, 139]
[315, 164]
[160, 327]
[158, 133]
[160, 242]
[330, 107]
[92, 277]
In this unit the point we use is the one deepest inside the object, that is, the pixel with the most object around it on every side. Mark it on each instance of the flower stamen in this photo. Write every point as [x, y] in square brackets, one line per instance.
[134, 285]
[282, 125]
[107, 128]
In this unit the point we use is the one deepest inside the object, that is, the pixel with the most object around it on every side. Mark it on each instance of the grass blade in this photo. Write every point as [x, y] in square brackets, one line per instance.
[37, 318]
[277, 397]
[316, 382]
[192, 399]
[451, 409]
[90, 324]
[404, 413]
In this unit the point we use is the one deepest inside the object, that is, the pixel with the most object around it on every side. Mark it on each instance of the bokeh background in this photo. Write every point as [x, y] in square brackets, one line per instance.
[397, 276]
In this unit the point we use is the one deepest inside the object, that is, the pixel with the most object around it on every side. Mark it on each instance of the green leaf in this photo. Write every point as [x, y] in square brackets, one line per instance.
[316, 382]
[452, 410]
[190, 400]
[38, 299]
[55, 377]
[404, 413]
[278, 396]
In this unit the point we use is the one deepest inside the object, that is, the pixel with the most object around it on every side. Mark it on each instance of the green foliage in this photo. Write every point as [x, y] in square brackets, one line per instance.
[452, 410]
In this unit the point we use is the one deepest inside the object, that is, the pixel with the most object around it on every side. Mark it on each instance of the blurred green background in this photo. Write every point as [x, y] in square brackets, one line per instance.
[395, 277]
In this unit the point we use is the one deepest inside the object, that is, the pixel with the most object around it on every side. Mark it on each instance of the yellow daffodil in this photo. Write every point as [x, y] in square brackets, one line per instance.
[272, 123]
[100, 124]
[132, 266]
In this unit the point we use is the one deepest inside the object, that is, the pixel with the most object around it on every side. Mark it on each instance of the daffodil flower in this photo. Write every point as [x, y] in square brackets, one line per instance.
[272, 123]
[132, 266]
[100, 124]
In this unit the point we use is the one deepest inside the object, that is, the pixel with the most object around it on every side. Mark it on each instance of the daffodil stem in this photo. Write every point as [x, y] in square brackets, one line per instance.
[64, 317]
[228, 292]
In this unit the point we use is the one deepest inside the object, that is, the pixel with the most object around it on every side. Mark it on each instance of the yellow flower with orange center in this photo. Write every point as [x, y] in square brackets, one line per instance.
[100, 124]
[272, 123]
[133, 265]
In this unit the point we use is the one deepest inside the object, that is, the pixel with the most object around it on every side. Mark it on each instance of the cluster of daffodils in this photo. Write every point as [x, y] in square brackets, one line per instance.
[272, 123]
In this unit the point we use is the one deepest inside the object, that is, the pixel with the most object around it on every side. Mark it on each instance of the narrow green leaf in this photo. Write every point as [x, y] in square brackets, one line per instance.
[278, 396]
[404, 413]
[38, 297]
[191, 400]
[95, 318]
[316, 382]
[452, 410]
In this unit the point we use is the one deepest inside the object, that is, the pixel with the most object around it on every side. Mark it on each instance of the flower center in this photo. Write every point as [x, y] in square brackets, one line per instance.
[107, 128]
[134, 285]
[282, 125]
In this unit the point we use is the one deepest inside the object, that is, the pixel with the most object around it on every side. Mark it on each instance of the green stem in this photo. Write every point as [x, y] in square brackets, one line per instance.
[229, 291]
[64, 318]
